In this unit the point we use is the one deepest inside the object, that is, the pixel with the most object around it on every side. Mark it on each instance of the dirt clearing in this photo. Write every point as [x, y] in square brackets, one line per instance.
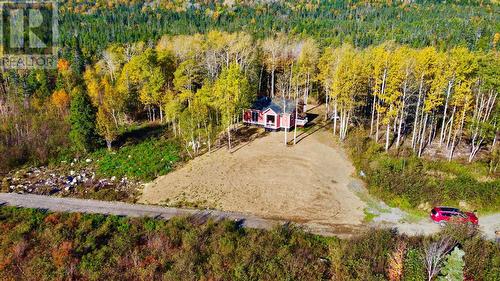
[306, 183]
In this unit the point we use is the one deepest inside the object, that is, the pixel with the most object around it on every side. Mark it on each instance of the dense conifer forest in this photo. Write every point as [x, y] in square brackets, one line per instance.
[442, 24]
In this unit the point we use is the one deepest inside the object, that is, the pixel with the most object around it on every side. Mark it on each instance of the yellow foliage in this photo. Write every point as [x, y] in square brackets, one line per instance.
[496, 39]
[60, 99]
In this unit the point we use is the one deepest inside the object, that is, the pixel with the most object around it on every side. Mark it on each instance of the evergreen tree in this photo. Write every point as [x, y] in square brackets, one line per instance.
[82, 120]
[453, 269]
[77, 63]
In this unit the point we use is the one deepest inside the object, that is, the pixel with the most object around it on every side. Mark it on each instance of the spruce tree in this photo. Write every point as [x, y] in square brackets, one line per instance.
[82, 120]
[453, 269]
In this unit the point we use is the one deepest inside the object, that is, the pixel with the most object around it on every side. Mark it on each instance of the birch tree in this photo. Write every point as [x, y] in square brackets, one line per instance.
[426, 64]
[232, 93]
[272, 48]
[307, 62]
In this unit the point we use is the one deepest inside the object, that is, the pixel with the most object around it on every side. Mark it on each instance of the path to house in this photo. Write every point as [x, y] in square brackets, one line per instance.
[306, 183]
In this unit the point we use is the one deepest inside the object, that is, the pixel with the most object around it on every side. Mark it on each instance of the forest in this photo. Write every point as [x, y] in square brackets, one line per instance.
[410, 90]
[199, 84]
[418, 24]
[37, 244]
[421, 79]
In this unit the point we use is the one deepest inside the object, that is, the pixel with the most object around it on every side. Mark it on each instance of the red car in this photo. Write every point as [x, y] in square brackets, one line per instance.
[443, 215]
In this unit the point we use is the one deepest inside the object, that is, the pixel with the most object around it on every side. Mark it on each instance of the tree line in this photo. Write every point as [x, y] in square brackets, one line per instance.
[417, 96]
[199, 84]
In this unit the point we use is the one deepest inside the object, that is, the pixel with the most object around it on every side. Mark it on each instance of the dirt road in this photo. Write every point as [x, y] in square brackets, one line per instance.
[488, 224]
[306, 183]
[58, 204]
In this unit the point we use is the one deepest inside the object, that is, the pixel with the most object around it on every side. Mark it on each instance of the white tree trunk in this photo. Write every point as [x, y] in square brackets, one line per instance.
[335, 115]
[387, 134]
[448, 92]
[422, 137]
[417, 111]
[229, 137]
[373, 114]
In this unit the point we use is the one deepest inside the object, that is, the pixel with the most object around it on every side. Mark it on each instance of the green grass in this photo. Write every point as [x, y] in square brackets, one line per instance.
[143, 161]
[369, 216]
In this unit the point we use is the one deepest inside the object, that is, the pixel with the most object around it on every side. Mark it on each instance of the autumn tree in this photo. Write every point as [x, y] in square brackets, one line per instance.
[105, 126]
[348, 85]
[396, 262]
[60, 99]
[232, 93]
[307, 65]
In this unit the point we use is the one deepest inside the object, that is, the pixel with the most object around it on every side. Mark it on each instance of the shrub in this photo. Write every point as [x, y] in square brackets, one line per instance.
[482, 259]
[453, 266]
[407, 181]
[39, 245]
[414, 269]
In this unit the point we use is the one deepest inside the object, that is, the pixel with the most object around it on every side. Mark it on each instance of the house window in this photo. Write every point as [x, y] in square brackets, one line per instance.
[271, 119]
[255, 116]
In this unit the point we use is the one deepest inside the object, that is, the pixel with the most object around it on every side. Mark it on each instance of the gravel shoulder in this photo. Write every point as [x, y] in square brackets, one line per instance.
[388, 217]
[57, 204]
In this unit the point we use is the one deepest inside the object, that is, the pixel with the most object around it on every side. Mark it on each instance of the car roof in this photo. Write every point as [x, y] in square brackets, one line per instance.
[448, 209]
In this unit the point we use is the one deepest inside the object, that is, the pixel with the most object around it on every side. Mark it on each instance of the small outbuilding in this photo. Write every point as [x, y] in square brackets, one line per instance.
[275, 114]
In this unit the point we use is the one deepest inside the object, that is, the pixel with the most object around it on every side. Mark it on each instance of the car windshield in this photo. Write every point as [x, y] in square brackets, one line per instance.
[447, 209]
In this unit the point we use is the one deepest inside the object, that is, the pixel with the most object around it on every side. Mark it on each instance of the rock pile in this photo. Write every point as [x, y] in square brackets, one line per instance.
[62, 182]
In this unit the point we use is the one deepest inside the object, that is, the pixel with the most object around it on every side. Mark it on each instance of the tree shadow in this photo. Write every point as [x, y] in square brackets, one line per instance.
[311, 117]
[310, 132]
[137, 135]
[199, 218]
[314, 107]
[242, 137]
[239, 223]
[247, 136]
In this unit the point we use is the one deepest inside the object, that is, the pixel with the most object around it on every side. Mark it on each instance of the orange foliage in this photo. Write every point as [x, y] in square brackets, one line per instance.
[19, 249]
[396, 262]
[60, 99]
[74, 220]
[149, 260]
[60, 254]
[52, 219]
[4, 263]
[62, 65]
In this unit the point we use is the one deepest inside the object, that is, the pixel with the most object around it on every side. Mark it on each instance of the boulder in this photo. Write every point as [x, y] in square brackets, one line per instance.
[464, 205]
[424, 206]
